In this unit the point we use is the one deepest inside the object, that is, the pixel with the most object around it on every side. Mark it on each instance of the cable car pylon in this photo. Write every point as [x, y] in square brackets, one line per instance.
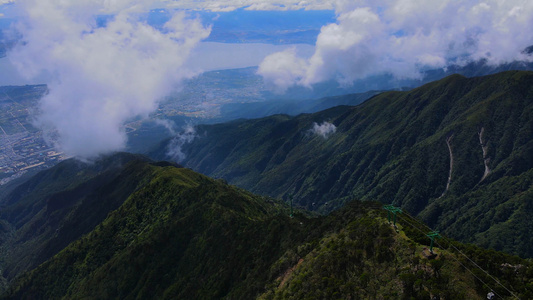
[432, 235]
[392, 209]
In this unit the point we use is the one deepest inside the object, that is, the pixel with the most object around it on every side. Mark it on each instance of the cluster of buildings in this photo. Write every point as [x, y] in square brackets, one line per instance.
[22, 147]
[23, 152]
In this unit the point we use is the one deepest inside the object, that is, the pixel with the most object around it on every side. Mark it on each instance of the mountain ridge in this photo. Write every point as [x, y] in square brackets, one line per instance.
[48, 211]
[180, 234]
[391, 148]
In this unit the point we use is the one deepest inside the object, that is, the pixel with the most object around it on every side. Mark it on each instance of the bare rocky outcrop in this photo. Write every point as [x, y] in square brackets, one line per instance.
[448, 143]
[486, 159]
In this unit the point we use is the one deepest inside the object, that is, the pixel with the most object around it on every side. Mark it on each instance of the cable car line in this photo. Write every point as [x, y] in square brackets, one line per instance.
[450, 243]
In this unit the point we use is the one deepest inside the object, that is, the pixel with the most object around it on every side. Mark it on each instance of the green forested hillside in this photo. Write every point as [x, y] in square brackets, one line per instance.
[182, 235]
[57, 206]
[395, 148]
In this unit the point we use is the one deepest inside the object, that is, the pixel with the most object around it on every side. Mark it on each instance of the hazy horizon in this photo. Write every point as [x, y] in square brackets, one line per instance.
[108, 62]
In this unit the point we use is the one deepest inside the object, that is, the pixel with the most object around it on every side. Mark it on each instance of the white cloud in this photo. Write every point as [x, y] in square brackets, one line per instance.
[169, 125]
[281, 69]
[324, 130]
[402, 37]
[207, 55]
[230, 5]
[267, 6]
[102, 77]
[174, 148]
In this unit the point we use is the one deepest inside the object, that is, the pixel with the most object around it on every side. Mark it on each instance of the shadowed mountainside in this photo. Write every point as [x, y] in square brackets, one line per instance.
[393, 148]
[179, 235]
[57, 206]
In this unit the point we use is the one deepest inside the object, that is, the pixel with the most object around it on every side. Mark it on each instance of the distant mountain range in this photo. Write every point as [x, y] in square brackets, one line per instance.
[455, 152]
[231, 79]
[127, 227]
[257, 101]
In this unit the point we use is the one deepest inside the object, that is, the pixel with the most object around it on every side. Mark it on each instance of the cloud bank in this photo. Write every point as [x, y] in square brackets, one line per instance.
[324, 130]
[404, 37]
[101, 76]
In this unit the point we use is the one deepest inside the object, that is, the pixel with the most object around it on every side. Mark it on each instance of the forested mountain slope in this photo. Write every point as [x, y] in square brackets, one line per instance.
[180, 235]
[57, 206]
[457, 152]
